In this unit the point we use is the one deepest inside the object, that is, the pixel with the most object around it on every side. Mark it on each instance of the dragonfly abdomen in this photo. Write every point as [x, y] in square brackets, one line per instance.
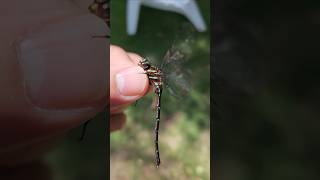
[156, 80]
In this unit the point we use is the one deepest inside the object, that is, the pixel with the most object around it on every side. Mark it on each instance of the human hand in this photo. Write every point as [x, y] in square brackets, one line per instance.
[128, 83]
[52, 77]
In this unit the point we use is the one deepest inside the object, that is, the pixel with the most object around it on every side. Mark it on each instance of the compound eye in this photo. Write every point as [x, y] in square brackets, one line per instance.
[146, 66]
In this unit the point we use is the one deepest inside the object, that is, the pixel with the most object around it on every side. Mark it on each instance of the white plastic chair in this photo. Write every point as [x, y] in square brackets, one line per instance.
[187, 8]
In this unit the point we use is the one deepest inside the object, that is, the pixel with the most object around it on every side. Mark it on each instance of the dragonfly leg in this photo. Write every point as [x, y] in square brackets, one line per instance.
[135, 103]
[84, 127]
[100, 36]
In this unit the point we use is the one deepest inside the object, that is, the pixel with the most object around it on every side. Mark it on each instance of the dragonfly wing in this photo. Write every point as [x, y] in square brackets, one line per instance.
[176, 76]
[177, 84]
[173, 55]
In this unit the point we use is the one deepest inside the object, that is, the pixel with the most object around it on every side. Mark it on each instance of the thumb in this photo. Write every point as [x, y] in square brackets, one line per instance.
[53, 76]
[127, 80]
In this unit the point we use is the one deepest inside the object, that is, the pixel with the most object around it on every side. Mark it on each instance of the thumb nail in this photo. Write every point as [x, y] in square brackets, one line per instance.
[131, 82]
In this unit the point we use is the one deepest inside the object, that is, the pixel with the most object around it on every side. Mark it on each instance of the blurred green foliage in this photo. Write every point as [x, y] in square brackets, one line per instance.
[266, 91]
[184, 127]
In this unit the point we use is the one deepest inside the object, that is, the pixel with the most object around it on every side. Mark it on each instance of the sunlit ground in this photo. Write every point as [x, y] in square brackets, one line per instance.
[184, 128]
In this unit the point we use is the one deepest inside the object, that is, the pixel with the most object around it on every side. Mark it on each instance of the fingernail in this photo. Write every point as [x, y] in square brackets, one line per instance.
[131, 82]
[63, 66]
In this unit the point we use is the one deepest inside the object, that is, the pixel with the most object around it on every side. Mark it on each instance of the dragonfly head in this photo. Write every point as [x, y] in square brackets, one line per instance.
[145, 64]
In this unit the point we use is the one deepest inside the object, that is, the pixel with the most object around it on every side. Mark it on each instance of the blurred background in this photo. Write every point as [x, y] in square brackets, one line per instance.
[266, 90]
[184, 127]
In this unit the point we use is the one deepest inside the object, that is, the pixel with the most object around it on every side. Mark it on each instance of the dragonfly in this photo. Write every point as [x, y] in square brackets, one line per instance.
[159, 79]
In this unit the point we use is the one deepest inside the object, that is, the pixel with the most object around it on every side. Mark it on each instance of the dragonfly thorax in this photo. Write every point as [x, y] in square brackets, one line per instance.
[154, 74]
[145, 64]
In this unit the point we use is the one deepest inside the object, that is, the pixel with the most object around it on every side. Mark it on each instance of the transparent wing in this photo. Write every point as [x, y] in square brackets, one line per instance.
[173, 56]
[174, 65]
[177, 84]
[175, 74]
[179, 51]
